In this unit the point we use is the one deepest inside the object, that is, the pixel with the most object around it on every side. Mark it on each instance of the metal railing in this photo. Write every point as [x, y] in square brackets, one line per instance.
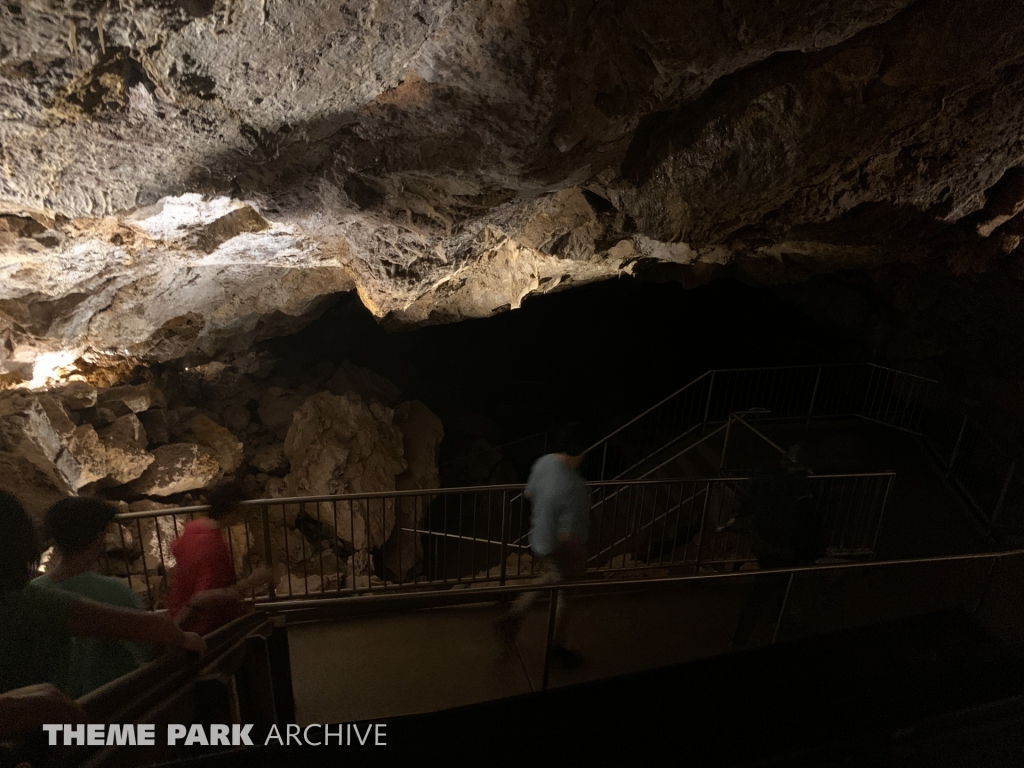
[981, 471]
[375, 542]
[469, 536]
[800, 601]
[246, 678]
[795, 393]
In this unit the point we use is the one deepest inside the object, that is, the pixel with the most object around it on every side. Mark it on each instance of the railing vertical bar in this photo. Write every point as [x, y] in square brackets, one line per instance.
[552, 615]
[814, 397]
[335, 543]
[1002, 494]
[782, 611]
[506, 523]
[320, 547]
[302, 543]
[355, 550]
[269, 552]
[956, 446]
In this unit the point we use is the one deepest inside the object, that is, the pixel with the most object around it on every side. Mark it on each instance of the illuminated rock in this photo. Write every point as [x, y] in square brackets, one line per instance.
[77, 395]
[221, 444]
[177, 467]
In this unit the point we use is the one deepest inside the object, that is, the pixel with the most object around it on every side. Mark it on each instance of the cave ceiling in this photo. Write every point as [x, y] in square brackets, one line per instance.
[180, 179]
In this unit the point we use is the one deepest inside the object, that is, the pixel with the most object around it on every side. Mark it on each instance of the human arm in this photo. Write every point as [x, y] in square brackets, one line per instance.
[91, 619]
[213, 598]
[28, 709]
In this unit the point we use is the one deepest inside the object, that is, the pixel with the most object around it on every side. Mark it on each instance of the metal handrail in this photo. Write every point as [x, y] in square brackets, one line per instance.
[416, 600]
[292, 500]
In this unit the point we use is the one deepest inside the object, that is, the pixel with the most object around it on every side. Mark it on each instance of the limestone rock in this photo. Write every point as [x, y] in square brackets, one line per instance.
[338, 444]
[422, 433]
[221, 444]
[124, 443]
[156, 424]
[236, 417]
[270, 458]
[77, 395]
[99, 416]
[277, 409]
[127, 427]
[36, 426]
[84, 459]
[177, 467]
[33, 487]
[133, 399]
[158, 533]
[365, 383]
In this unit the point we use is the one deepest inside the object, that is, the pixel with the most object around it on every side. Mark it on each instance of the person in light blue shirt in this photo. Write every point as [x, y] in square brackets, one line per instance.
[559, 525]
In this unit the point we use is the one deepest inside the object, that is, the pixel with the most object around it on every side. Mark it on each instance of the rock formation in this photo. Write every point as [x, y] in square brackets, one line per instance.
[179, 180]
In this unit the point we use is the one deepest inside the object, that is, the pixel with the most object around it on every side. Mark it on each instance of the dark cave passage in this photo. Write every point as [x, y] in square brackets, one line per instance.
[572, 365]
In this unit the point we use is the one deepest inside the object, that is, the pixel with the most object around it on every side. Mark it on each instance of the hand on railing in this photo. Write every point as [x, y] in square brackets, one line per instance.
[194, 642]
[260, 577]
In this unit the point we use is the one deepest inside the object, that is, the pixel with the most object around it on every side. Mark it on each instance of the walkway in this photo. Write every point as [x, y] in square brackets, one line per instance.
[387, 666]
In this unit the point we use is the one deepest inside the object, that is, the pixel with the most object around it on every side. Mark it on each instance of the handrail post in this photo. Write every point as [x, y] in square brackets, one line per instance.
[506, 518]
[881, 515]
[268, 549]
[604, 458]
[956, 447]
[988, 583]
[814, 395]
[552, 617]
[725, 444]
[707, 408]
[782, 611]
[1002, 494]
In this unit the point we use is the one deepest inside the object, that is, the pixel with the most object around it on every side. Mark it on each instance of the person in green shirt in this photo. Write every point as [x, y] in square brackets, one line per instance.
[77, 528]
[35, 624]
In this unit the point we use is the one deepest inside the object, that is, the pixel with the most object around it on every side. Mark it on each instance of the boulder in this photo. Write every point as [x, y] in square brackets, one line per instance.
[157, 428]
[84, 459]
[222, 445]
[277, 407]
[34, 426]
[124, 443]
[100, 416]
[77, 395]
[33, 487]
[365, 383]
[177, 467]
[236, 417]
[422, 433]
[156, 534]
[270, 459]
[132, 398]
[127, 427]
[339, 444]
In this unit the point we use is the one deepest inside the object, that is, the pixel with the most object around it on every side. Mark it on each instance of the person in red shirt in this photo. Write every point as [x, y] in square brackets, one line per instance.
[205, 593]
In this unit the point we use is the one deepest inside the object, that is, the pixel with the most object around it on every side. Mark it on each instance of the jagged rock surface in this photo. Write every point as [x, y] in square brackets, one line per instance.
[179, 180]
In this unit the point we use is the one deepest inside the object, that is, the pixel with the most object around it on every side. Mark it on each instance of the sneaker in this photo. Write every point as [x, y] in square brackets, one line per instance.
[565, 657]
